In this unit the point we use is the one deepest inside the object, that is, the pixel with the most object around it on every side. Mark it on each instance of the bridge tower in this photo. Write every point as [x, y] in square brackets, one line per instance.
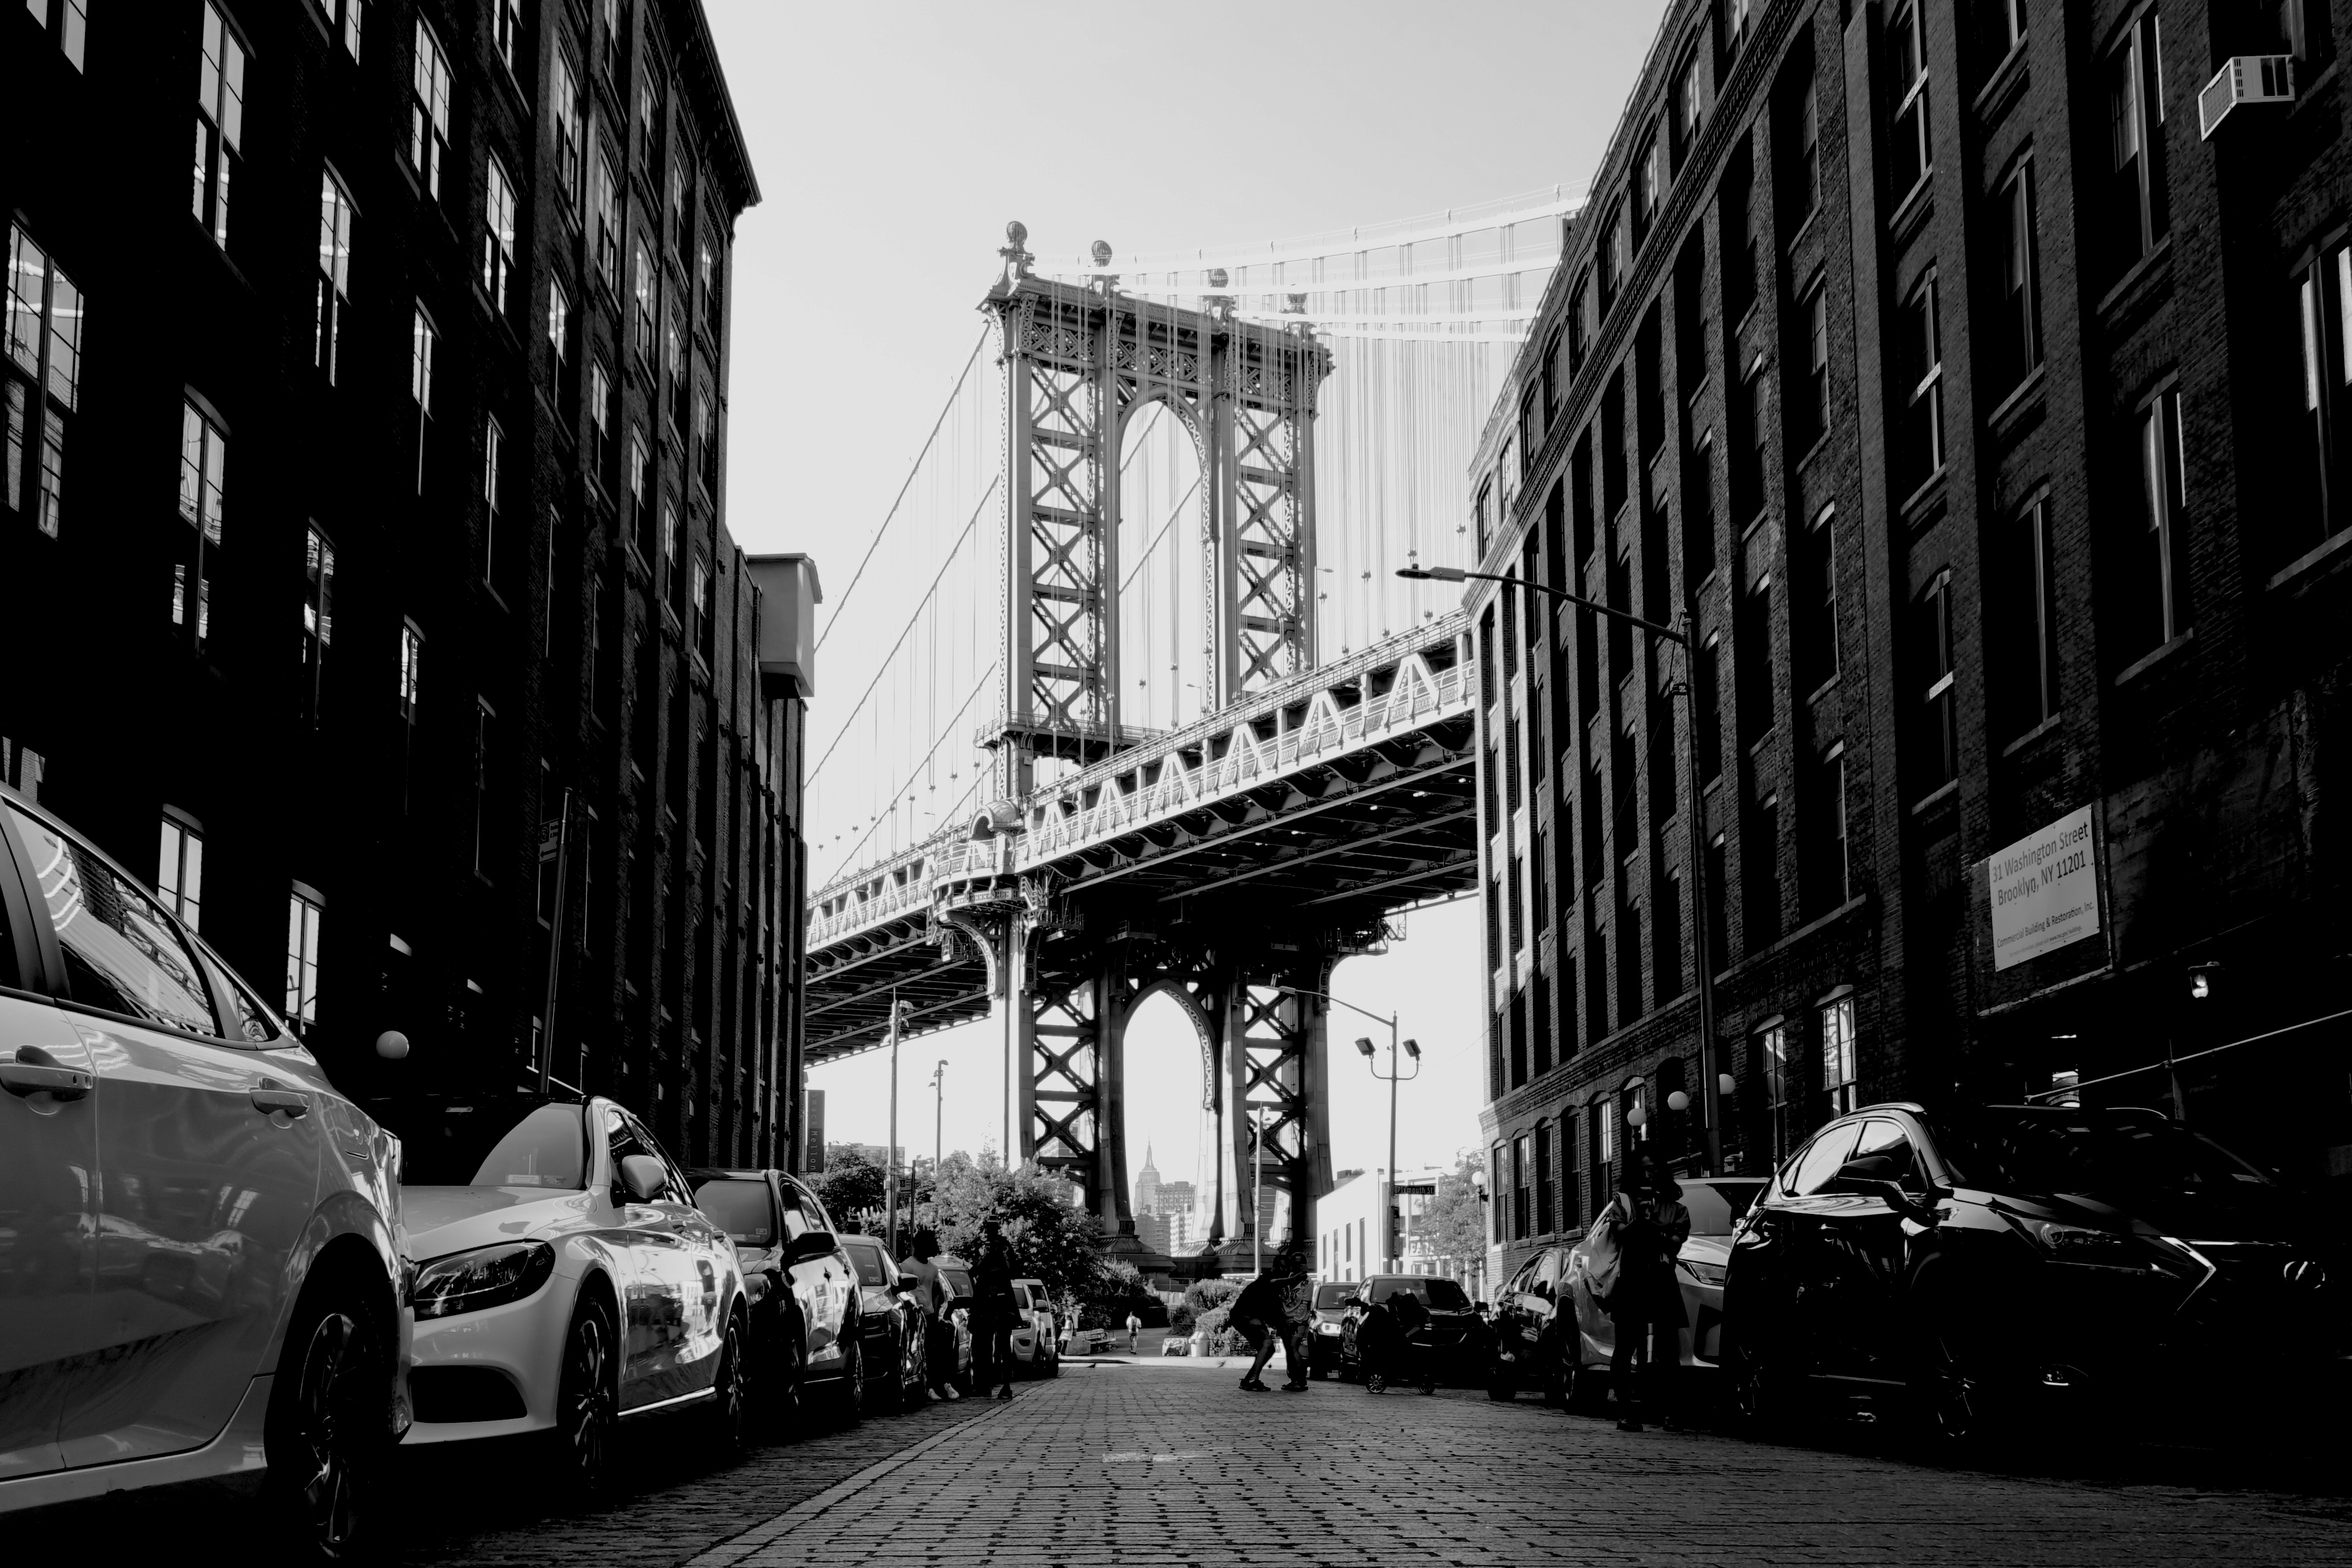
[1078, 363]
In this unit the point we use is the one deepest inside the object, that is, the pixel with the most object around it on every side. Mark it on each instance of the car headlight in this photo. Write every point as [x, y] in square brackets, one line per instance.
[2099, 1249]
[1327, 1328]
[485, 1277]
[1705, 1273]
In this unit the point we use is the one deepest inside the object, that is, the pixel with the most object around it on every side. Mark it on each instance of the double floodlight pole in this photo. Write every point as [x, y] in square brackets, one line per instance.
[1412, 1048]
[1694, 831]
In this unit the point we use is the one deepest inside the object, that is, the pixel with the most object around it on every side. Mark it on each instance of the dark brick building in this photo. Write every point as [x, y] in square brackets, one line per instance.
[1992, 422]
[364, 501]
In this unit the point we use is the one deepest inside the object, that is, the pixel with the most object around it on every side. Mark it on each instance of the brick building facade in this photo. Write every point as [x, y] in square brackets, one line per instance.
[364, 500]
[1957, 387]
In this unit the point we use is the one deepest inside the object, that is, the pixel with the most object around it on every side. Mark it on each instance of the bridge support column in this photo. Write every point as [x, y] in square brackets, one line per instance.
[1277, 1080]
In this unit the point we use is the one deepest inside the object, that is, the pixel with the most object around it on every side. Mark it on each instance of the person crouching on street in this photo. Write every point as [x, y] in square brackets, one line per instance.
[1267, 1313]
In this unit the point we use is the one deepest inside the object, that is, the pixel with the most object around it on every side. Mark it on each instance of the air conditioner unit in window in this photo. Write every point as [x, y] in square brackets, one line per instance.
[2244, 78]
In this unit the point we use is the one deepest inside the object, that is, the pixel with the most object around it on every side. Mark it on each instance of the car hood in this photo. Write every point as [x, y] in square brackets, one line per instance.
[445, 1219]
[1716, 1249]
[2259, 1213]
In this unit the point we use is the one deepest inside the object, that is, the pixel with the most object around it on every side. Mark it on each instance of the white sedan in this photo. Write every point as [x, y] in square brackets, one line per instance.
[564, 1281]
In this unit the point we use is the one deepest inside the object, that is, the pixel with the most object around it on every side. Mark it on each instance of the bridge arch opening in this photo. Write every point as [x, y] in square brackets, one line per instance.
[1163, 568]
[1169, 1127]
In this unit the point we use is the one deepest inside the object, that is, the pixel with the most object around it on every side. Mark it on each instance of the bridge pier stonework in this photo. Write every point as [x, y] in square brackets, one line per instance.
[1243, 853]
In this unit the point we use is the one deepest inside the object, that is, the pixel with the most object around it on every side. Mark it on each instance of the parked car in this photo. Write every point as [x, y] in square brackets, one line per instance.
[199, 1257]
[1035, 1349]
[1454, 1337]
[1567, 1355]
[800, 1285]
[890, 1325]
[565, 1283]
[1330, 1313]
[2013, 1262]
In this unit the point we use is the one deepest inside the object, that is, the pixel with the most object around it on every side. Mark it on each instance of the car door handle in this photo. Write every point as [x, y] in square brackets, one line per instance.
[36, 1071]
[268, 1097]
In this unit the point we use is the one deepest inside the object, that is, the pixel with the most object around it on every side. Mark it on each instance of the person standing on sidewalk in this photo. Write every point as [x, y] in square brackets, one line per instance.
[995, 1309]
[1134, 1327]
[938, 1332]
[1644, 1230]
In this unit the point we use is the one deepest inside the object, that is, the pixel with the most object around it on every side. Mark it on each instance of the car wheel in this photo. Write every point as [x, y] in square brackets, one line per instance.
[783, 1387]
[587, 1403]
[1503, 1381]
[849, 1394]
[917, 1368]
[328, 1436]
[1053, 1367]
[1580, 1388]
[1948, 1404]
[1759, 1401]
[730, 1410]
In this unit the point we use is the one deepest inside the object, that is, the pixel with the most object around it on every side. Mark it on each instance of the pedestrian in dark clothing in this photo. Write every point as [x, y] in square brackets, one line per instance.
[934, 1297]
[1646, 1229]
[995, 1309]
[1391, 1344]
[1272, 1311]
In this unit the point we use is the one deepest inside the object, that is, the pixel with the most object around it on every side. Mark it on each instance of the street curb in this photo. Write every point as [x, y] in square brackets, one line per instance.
[735, 1548]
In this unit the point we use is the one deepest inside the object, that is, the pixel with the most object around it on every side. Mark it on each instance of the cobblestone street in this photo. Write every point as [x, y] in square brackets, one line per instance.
[1169, 1464]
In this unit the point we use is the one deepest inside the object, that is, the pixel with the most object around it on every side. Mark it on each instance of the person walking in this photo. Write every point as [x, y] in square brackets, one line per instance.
[1134, 1327]
[932, 1295]
[995, 1309]
[1638, 1236]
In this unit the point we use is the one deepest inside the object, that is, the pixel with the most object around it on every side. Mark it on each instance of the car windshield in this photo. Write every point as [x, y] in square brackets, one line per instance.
[1331, 1298]
[493, 1144]
[1716, 1206]
[740, 1208]
[866, 1258]
[1444, 1295]
[2067, 1149]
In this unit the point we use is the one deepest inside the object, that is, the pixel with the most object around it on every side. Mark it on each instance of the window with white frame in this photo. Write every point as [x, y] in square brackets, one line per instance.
[423, 344]
[640, 479]
[1906, 57]
[1923, 419]
[600, 422]
[334, 283]
[305, 912]
[497, 233]
[494, 443]
[220, 124]
[2018, 346]
[2162, 591]
[410, 670]
[343, 19]
[2138, 204]
[429, 111]
[179, 869]
[570, 138]
[1840, 1065]
[318, 617]
[607, 200]
[66, 23]
[506, 33]
[40, 381]
[559, 328]
[2320, 484]
[1772, 1064]
[486, 721]
[204, 459]
[2029, 663]
[1938, 746]
[642, 285]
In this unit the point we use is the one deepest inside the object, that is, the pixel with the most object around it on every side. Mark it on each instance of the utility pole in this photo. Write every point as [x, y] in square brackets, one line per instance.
[890, 1149]
[1257, 1188]
[938, 1121]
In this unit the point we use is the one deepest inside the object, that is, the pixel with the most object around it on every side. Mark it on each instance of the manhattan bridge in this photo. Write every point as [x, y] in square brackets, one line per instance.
[1159, 718]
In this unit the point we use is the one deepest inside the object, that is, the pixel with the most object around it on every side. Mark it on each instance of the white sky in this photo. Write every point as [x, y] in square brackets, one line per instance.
[893, 141]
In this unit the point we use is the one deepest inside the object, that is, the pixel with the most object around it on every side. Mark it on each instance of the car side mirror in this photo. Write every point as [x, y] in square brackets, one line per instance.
[807, 1245]
[1873, 1174]
[643, 1177]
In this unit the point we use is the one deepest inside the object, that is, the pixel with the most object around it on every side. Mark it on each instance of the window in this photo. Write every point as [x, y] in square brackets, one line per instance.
[1612, 262]
[506, 32]
[600, 422]
[569, 138]
[608, 223]
[2320, 480]
[1806, 173]
[1760, 875]
[681, 231]
[1690, 107]
[1737, 204]
[1648, 182]
[1579, 328]
[2297, 27]
[1772, 1064]
[424, 341]
[1599, 1148]
[428, 112]
[1938, 715]
[2004, 27]
[485, 742]
[1813, 602]
[704, 625]
[610, 36]
[1522, 1169]
[1810, 419]
[1495, 1186]
[2018, 345]
[559, 328]
[707, 268]
[318, 617]
[2138, 210]
[412, 661]
[674, 372]
[68, 23]
[220, 124]
[670, 548]
[203, 455]
[1923, 356]
[649, 124]
[120, 952]
[1839, 1072]
[2160, 560]
[1707, 696]
[1906, 48]
[41, 381]
[334, 275]
[305, 911]
[2029, 669]
[705, 439]
[1735, 26]
[493, 460]
[1545, 1220]
[1751, 649]
[1748, 457]
[1718, 902]
[497, 235]
[344, 18]
[640, 474]
[179, 870]
[642, 288]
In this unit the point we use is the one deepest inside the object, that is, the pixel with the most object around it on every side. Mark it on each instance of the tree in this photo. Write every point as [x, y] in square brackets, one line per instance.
[1455, 1222]
[1054, 1239]
[850, 1188]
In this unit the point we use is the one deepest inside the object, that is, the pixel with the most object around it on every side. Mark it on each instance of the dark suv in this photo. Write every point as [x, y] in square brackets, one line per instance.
[2013, 1260]
[1454, 1339]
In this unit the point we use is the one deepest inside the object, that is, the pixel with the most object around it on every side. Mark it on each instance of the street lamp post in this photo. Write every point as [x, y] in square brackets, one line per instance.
[899, 1010]
[939, 1124]
[1364, 1046]
[1683, 637]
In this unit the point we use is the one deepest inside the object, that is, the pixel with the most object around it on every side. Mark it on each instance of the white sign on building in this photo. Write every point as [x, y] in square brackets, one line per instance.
[2044, 889]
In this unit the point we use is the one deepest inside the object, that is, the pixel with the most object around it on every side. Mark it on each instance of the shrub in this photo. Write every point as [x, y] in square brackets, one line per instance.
[1181, 1322]
[1204, 1294]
